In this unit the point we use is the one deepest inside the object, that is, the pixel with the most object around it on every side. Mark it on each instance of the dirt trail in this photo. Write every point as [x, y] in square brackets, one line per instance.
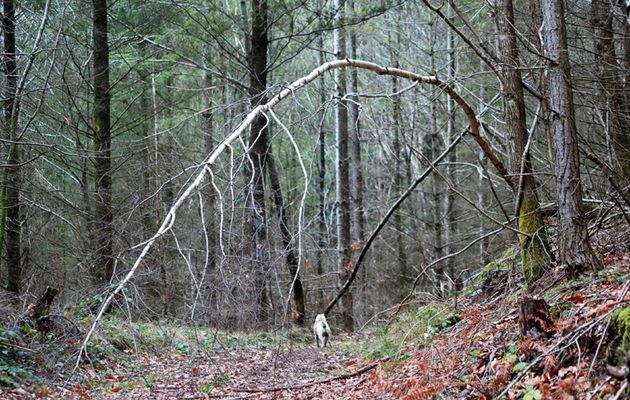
[302, 373]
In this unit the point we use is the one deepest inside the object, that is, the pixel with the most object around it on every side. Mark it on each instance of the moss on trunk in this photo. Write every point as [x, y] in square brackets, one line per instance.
[619, 335]
[534, 250]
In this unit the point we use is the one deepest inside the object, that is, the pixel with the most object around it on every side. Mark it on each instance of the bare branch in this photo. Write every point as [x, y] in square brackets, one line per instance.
[169, 220]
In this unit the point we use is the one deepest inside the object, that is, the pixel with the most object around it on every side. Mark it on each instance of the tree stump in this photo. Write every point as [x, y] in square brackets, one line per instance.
[534, 317]
[39, 311]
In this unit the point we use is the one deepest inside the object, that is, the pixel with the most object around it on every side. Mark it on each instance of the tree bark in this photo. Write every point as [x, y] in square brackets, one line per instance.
[287, 241]
[403, 267]
[321, 178]
[357, 183]
[450, 207]
[434, 218]
[258, 141]
[161, 198]
[209, 194]
[399, 184]
[103, 215]
[573, 240]
[12, 179]
[534, 251]
[342, 166]
[611, 87]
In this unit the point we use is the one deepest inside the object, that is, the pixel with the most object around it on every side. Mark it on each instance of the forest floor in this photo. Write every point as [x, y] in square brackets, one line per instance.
[469, 350]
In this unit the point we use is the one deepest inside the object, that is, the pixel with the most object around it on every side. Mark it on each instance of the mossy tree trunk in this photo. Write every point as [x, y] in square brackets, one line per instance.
[533, 243]
[619, 335]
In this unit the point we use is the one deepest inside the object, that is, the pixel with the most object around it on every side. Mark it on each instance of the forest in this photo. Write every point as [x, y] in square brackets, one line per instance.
[186, 184]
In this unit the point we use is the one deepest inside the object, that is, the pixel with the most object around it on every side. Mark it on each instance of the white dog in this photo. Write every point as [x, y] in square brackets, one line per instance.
[322, 331]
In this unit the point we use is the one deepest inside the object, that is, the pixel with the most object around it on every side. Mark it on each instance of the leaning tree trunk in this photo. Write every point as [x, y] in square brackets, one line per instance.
[573, 241]
[533, 243]
[343, 176]
[103, 215]
[258, 141]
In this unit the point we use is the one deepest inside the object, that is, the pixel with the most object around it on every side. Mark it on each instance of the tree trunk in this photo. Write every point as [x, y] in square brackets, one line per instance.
[321, 179]
[357, 183]
[210, 196]
[450, 208]
[573, 240]
[343, 176]
[533, 244]
[103, 215]
[611, 87]
[483, 196]
[12, 179]
[400, 185]
[258, 142]
[159, 201]
[287, 241]
[626, 56]
[152, 212]
[403, 267]
[431, 148]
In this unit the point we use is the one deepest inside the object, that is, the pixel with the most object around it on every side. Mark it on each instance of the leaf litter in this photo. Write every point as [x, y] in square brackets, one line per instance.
[482, 356]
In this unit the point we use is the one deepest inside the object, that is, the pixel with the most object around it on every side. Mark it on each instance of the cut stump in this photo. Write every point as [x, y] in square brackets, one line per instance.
[40, 311]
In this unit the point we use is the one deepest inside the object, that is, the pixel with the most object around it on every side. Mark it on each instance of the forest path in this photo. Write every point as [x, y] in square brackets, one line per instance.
[298, 373]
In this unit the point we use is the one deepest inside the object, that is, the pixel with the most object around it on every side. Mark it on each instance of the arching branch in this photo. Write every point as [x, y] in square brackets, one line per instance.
[169, 220]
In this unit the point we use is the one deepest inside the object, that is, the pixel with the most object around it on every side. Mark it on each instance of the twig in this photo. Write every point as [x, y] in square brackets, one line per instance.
[463, 197]
[460, 251]
[6, 343]
[601, 341]
[321, 381]
[386, 218]
[621, 390]
[581, 330]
